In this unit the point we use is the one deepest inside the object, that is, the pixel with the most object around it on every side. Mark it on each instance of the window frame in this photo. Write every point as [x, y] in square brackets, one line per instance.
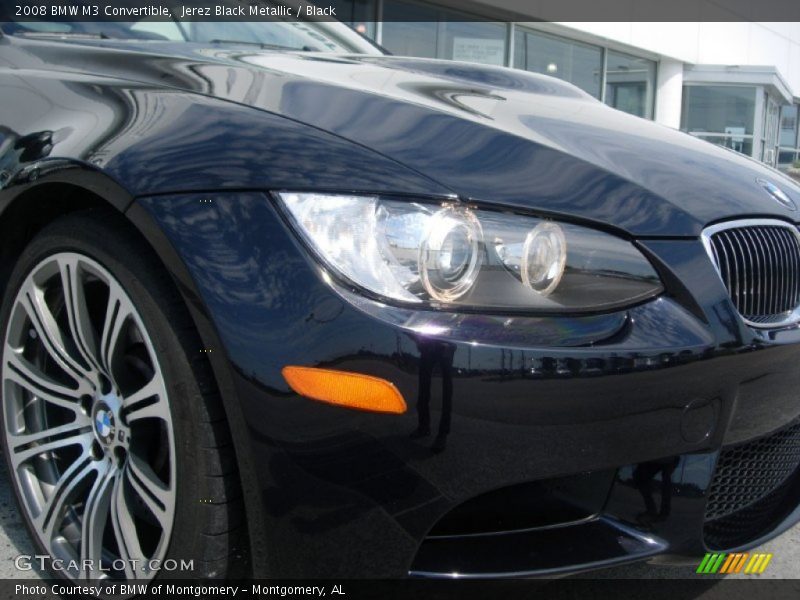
[753, 138]
[513, 29]
[546, 34]
[650, 101]
[795, 150]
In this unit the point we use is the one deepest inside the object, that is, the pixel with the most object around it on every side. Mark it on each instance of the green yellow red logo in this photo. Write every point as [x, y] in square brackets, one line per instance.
[735, 562]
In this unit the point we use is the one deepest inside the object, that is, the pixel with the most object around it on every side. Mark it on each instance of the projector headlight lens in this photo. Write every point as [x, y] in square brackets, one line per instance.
[544, 256]
[448, 256]
[451, 254]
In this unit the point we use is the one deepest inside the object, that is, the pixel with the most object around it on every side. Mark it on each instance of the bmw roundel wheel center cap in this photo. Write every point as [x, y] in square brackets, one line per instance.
[104, 425]
[107, 423]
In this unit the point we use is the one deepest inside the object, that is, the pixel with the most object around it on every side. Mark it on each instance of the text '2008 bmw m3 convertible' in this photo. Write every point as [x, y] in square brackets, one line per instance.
[275, 303]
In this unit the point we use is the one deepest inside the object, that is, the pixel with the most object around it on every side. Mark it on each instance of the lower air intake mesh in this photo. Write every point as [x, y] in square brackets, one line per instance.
[754, 485]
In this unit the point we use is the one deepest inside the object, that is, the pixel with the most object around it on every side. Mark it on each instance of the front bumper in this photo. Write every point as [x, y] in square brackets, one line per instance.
[566, 443]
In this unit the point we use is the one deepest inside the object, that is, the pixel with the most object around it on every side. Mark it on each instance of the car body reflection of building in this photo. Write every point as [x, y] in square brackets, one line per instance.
[735, 84]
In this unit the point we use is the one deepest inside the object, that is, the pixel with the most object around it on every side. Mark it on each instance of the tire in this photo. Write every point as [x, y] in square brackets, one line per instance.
[115, 436]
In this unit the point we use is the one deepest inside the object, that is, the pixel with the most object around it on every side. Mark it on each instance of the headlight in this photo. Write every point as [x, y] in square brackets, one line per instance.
[451, 256]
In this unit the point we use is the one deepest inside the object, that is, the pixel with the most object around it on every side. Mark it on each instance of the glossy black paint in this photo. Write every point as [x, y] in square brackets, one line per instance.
[189, 141]
[525, 405]
[487, 134]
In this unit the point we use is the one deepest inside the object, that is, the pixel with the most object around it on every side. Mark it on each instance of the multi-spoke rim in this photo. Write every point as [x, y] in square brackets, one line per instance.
[88, 427]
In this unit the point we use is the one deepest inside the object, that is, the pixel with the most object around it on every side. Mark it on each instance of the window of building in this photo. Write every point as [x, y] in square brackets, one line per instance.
[630, 83]
[721, 114]
[361, 15]
[770, 132]
[411, 29]
[788, 140]
[427, 30]
[576, 62]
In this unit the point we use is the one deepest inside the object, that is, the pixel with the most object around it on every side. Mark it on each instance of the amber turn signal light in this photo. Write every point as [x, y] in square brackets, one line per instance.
[352, 390]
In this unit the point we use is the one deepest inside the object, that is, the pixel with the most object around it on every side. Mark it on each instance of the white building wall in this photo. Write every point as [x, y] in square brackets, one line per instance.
[669, 90]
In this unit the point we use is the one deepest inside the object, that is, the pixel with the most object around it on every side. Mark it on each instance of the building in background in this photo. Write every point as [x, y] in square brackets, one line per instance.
[736, 84]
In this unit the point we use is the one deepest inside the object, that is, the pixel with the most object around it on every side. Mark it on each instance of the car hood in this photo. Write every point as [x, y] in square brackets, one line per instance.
[489, 134]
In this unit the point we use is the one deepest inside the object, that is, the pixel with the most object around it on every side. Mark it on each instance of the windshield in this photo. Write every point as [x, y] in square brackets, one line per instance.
[282, 33]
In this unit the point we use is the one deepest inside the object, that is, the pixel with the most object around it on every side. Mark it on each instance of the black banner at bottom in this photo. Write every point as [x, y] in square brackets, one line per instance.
[701, 588]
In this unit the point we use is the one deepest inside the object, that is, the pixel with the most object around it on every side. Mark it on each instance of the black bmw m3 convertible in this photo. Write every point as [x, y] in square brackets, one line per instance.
[276, 303]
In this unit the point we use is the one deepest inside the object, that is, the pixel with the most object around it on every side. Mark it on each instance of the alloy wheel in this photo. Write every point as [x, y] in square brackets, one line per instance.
[88, 428]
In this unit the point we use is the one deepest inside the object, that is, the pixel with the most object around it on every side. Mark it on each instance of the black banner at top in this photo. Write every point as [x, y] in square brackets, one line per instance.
[399, 10]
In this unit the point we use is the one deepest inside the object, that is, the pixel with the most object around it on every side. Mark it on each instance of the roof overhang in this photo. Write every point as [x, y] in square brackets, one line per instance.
[767, 76]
